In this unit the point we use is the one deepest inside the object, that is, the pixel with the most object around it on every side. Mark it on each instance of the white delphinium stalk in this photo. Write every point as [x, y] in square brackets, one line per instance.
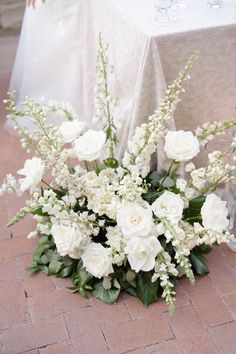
[164, 269]
[105, 103]
[62, 109]
[117, 243]
[179, 240]
[147, 137]
[216, 172]
[101, 191]
[10, 185]
[209, 130]
[45, 138]
[197, 235]
[132, 187]
[84, 221]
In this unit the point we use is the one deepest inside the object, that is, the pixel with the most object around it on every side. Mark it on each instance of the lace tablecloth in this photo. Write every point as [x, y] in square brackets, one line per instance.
[148, 56]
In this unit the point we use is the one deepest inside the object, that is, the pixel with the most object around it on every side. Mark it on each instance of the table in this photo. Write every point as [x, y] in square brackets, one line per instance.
[147, 57]
[57, 56]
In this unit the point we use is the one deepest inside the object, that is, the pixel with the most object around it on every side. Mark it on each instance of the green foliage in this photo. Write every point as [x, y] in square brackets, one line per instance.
[47, 259]
[109, 296]
[110, 162]
[154, 178]
[146, 289]
[167, 182]
[198, 261]
[82, 281]
[192, 214]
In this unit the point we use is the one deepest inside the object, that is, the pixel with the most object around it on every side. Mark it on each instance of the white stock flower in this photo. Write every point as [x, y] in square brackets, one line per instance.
[181, 184]
[33, 172]
[142, 252]
[67, 239]
[88, 147]
[181, 145]
[170, 206]
[214, 213]
[97, 260]
[134, 220]
[71, 130]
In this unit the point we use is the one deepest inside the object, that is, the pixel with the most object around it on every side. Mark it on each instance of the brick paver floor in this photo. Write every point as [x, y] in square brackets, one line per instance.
[39, 316]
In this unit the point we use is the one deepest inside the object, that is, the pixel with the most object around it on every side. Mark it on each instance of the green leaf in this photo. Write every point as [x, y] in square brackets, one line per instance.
[84, 277]
[74, 289]
[83, 292]
[66, 272]
[54, 267]
[193, 212]
[33, 268]
[60, 192]
[109, 296]
[202, 249]
[39, 252]
[44, 259]
[131, 291]
[39, 212]
[150, 196]
[111, 162]
[167, 182]
[197, 203]
[146, 289]
[198, 264]
[154, 178]
[43, 240]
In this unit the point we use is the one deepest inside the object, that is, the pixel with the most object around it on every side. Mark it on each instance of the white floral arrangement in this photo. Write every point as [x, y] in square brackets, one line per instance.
[114, 226]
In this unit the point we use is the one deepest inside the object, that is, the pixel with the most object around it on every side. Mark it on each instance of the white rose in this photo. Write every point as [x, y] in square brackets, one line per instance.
[33, 172]
[181, 145]
[214, 213]
[89, 146]
[67, 239]
[97, 260]
[142, 252]
[134, 220]
[71, 130]
[169, 205]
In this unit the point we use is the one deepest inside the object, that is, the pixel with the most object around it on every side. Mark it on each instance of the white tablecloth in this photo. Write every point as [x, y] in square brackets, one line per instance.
[57, 54]
[148, 56]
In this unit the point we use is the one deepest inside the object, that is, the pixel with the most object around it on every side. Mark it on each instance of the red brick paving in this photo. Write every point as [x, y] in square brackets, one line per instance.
[39, 316]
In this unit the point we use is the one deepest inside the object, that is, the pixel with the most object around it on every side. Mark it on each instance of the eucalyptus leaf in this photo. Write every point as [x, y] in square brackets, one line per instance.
[154, 178]
[167, 182]
[108, 296]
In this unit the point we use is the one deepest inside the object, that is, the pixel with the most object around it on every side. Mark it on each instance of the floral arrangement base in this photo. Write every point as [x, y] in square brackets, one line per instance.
[117, 225]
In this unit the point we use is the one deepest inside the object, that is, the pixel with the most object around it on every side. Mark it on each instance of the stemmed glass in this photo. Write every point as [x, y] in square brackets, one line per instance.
[215, 4]
[162, 8]
[179, 4]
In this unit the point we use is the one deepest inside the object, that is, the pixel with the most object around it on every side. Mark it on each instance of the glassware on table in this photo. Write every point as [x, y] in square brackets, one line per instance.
[179, 4]
[162, 9]
[227, 191]
[215, 4]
